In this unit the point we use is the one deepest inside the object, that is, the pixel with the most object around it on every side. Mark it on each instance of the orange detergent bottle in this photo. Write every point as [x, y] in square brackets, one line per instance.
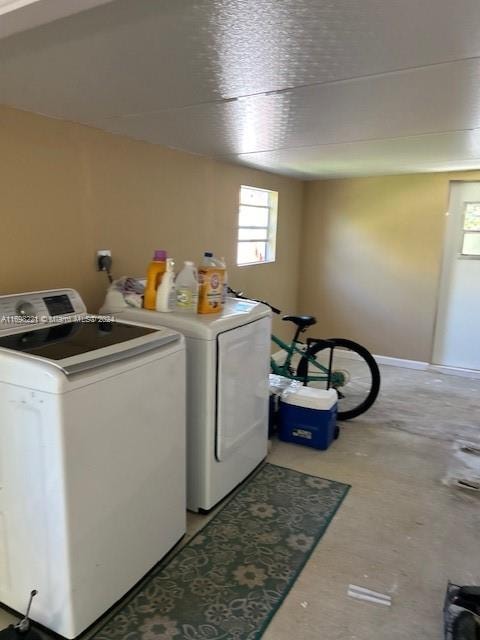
[155, 271]
[211, 276]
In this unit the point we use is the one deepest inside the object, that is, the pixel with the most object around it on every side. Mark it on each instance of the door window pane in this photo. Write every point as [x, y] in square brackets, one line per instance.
[471, 244]
[472, 217]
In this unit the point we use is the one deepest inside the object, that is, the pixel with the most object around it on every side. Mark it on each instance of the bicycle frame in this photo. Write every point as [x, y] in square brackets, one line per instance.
[336, 378]
[284, 368]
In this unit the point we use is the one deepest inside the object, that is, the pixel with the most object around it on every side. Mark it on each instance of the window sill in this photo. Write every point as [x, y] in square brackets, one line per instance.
[252, 264]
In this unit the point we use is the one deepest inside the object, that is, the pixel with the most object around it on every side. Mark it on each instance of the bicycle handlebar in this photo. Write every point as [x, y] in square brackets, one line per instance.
[239, 294]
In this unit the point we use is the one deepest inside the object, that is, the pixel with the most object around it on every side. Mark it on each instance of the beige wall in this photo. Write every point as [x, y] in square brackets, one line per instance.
[372, 251]
[68, 190]
[371, 248]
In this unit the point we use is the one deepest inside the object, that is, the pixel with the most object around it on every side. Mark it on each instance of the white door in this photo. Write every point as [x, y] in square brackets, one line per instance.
[456, 335]
[242, 387]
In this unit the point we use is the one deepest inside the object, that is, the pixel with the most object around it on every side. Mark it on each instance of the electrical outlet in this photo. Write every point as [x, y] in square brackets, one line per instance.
[100, 253]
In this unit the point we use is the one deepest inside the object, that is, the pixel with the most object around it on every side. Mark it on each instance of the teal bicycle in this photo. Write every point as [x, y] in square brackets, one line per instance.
[337, 363]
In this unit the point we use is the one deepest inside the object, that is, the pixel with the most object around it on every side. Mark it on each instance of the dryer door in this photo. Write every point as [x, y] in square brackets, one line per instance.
[243, 364]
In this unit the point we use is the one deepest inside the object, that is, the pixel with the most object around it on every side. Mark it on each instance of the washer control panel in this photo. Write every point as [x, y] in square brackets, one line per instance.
[39, 308]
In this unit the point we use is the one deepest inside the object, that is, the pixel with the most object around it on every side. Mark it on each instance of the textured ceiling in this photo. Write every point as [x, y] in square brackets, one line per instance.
[308, 88]
[19, 15]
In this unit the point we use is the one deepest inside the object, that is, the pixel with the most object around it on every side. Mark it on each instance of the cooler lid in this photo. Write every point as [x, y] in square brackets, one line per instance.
[311, 398]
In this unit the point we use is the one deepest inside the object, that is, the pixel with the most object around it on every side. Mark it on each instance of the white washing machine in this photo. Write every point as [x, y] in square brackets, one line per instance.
[228, 362]
[92, 456]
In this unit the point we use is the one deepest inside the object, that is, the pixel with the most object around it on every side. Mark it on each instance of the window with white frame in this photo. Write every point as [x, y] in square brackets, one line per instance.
[257, 225]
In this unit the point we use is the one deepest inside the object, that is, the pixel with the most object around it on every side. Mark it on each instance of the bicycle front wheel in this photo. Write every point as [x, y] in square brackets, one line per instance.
[355, 374]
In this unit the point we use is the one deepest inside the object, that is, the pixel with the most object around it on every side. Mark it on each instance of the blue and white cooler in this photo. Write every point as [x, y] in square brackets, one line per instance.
[308, 416]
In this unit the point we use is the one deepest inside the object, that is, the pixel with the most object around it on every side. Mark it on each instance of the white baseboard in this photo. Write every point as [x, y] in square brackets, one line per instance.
[392, 362]
[419, 365]
[426, 366]
[402, 362]
[454, 371]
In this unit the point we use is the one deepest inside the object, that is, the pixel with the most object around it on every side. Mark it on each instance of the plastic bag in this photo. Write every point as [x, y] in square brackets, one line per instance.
[126, 291]
[280, 385]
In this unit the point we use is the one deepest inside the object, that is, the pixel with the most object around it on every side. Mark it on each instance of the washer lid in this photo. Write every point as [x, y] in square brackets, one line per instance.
[61, 341]
[82, 345]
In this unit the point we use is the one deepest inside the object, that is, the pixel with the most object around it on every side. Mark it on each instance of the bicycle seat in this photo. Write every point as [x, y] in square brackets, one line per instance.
[301, 321]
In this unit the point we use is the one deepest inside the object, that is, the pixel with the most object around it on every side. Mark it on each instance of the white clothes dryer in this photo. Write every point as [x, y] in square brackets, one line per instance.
[228, 362]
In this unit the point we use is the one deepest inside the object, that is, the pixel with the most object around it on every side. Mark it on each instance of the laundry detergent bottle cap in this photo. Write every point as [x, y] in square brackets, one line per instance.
[159, 255]
[208, 260]
[155, 271]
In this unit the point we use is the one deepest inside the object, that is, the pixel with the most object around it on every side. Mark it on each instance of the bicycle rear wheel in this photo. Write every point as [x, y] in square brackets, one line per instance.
[355, 374]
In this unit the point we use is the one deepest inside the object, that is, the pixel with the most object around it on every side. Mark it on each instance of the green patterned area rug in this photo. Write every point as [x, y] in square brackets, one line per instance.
[229, 580]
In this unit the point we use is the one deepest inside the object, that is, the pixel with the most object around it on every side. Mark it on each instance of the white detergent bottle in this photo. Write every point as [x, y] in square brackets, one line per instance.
[186, 289]
[164, 291]
[225, 281]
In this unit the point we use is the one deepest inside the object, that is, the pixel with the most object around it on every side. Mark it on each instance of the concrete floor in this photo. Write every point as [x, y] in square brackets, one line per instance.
[400, 530]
